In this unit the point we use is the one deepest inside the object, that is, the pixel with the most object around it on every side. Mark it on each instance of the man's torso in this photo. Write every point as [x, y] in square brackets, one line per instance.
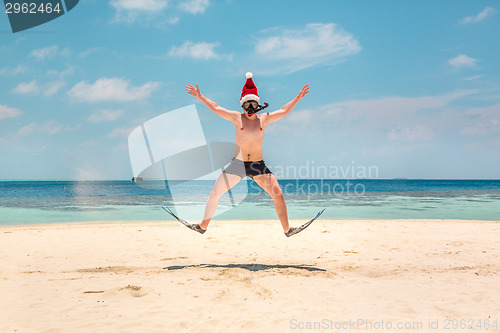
[250, 137]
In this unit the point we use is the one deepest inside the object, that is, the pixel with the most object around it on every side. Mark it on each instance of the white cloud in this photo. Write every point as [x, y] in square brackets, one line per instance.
[487, 11]
[105, 115]
[296, 49]
[90, 51]
[462, 60]
[111, 89]
[8, 112]
[194, 6]
[122, 147]
[414, 133]
[49, 52]
[51, 88]
[34, 88]
[25, 88]
[376, 117]
[482, 128]
[487, 111]
[389, 110]
[495, 142]
[129, 11]
[154, 11]
[488, 122]
[20, 69]
[200, 51]
[472, 78]
[50, 127]
[121, 132]
[141, 5]
[173, 20]
[62, 73]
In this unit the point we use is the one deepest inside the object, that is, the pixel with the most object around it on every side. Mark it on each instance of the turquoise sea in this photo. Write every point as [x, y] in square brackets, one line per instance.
[32, 202]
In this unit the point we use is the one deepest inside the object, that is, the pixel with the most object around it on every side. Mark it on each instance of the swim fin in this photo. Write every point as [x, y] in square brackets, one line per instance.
[192, 226]
[295, 230]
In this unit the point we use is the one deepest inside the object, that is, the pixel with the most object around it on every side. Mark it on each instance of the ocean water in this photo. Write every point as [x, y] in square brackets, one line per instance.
[32, 202]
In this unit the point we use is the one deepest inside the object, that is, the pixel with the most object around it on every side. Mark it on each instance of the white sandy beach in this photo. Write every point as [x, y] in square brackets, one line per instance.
[247, 276]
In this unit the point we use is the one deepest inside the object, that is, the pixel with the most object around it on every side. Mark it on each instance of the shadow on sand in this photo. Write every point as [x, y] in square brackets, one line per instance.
[249, 267]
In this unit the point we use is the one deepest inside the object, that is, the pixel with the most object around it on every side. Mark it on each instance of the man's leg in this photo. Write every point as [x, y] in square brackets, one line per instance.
[270, 184]
[224, 183]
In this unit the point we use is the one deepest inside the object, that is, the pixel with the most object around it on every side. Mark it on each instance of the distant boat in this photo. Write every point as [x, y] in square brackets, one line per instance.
[137, 179]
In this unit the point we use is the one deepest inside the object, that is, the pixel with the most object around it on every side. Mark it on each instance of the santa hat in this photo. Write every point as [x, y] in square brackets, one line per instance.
[249, 92]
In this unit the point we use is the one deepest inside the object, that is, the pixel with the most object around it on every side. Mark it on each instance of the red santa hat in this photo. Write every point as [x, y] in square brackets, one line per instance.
[249, 91]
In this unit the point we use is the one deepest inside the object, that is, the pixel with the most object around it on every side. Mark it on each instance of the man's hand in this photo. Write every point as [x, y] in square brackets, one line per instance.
[214, 107]
[304, 91]
[193, 91]
[277, 115]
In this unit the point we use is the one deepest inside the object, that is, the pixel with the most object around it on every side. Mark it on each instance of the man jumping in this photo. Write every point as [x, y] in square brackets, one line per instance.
[249, 128]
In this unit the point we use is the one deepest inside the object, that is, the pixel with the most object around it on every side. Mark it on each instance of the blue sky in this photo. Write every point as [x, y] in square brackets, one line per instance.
[411, 87]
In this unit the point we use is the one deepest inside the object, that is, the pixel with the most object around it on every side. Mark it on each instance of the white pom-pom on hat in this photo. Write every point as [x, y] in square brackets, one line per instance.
[248, 75]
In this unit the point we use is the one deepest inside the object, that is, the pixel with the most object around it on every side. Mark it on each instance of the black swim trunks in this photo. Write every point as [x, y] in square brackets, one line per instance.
[250, 169]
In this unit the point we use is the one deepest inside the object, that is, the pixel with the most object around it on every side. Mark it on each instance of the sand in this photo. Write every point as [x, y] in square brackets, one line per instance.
[426, 275]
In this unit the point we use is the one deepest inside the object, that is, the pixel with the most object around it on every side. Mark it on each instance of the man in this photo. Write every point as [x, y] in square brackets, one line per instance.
[248, 161]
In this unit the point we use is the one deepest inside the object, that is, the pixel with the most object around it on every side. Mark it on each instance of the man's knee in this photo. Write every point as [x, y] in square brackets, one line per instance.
[276, 193]
[216, 193]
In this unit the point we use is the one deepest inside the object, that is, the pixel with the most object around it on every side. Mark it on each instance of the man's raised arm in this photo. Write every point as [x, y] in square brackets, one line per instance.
[277, 115]
[214, 107]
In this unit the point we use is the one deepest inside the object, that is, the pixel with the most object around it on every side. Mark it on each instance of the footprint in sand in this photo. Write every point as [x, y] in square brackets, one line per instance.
[172, 258]
[222, 294]
[135, 291]
[263, 292]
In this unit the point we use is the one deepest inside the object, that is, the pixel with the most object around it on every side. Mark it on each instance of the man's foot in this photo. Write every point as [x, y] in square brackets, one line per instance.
[192, 226]
[295, 230]
[195, 227]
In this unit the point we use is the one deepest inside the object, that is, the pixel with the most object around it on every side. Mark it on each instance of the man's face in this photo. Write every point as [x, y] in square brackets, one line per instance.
[250, 106]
